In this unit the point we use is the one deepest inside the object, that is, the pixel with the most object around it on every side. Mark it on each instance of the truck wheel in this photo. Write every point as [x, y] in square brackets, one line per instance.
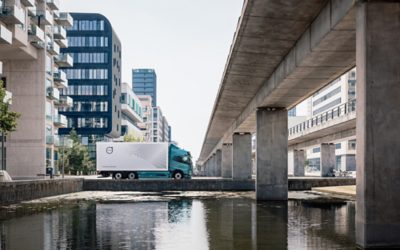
[132, 176]
[178, 175]
[118, 176]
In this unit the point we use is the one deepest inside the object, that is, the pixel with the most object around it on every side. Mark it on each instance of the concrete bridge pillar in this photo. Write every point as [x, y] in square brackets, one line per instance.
[272, 154]
[298, 162]
[210, 166]
[213, 165]
[378, 122]
[218, 162]
[328, 159]
[226, 167]
[205, 167]
[241, 158]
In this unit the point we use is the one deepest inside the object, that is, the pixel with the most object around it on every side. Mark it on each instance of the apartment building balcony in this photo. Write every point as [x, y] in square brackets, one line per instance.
[60, 121]
[35, 34]
[39, 45]
[53, 48]
[65, 101]
[60, 79]
[5, 35]
[64, 60]
[53, 93]
[12, 15]
[62, 42]
[20, 36]
[59, 32]
[44, 17]
[56, 14]
[32, 11]
[53, 140]
[28, 3]
[130, 113]
[65, 19]
[53, 4]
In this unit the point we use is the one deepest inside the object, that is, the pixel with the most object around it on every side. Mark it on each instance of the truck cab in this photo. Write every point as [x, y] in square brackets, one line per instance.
[180, 163]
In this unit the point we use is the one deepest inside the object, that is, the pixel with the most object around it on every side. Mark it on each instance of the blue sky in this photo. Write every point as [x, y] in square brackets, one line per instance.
[187, 43]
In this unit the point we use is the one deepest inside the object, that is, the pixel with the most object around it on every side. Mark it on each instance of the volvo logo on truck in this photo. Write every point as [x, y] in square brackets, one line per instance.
[109, 150]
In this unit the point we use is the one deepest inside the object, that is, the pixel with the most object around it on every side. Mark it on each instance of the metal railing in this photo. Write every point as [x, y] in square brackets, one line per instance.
[334, 113]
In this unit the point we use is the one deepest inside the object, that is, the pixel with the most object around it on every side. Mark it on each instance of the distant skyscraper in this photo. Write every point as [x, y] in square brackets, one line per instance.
[144, 82]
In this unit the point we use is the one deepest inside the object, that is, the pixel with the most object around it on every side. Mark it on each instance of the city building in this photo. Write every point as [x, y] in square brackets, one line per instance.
[31, 35]
[147, 115]
[94, 80]
[132, 114]
[144, 82]
[340, 93]
[160, 127]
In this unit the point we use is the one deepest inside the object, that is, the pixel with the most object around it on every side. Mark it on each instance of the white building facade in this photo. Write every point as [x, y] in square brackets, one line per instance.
[341, 94]
[31, 35]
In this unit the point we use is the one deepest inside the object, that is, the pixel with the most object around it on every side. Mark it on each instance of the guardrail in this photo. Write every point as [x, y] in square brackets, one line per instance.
[342, 110]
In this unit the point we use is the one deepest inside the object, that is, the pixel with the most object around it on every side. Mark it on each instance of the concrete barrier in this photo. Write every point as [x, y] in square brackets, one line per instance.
[295, 184]
[17, 191]
[307, 183]
[169, 185]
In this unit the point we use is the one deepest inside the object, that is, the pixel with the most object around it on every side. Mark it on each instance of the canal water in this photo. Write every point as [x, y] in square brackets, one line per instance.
[184, 223]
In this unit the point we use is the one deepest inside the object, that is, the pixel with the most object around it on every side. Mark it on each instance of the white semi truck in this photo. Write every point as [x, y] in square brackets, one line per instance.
[131, 160]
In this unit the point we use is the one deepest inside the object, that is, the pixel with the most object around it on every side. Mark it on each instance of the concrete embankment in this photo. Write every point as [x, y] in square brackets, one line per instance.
[17, 191]
[295, 184]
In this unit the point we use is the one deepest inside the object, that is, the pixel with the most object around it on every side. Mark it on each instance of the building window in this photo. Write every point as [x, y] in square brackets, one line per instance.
[327, 96]
[327, 106]
[97, 90]
[92, 122]
[352, 144]
[78, 74]
[90, 57]
[316, 150]
[87, 41]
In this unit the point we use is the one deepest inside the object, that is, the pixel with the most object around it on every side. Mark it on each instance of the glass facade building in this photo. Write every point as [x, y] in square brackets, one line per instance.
[144, 82]
[94, 80]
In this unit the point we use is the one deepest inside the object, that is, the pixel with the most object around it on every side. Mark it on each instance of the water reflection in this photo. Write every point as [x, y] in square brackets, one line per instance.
[185, 224]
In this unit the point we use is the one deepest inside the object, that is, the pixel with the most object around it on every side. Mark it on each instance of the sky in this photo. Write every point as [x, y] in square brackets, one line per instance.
[186, 41]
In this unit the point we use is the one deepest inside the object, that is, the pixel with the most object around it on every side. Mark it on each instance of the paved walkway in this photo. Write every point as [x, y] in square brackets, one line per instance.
[338, 190]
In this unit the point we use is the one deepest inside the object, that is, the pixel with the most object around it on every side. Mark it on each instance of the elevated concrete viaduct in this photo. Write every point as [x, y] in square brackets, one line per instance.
[285, 50]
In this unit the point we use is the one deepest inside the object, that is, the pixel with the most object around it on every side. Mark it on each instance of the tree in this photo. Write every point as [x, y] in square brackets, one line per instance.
[131, 137]
[77, 157]
[8, 121]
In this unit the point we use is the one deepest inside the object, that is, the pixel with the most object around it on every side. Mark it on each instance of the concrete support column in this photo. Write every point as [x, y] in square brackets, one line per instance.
[241, 156]
[378, 122]
[328, 159]
[213, 165]
[207, 168]
[272, 154]
[218, 162]
[298, 162]
[226, 171]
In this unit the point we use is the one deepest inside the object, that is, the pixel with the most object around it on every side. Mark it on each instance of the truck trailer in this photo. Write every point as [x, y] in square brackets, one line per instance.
[134, 160]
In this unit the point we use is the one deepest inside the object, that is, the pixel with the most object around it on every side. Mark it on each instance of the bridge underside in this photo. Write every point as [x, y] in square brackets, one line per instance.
[285, 50]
